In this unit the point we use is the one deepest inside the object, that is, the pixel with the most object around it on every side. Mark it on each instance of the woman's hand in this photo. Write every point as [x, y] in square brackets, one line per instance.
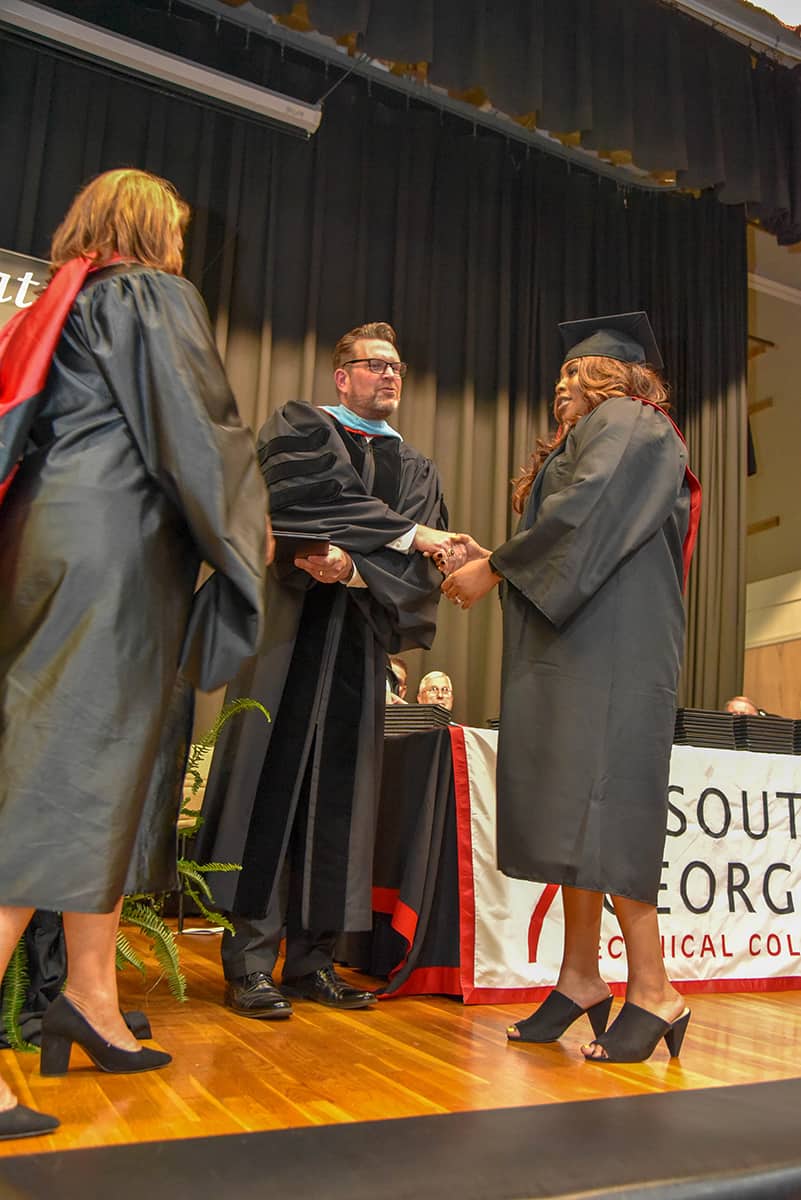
[470, 583]
[334, 567]
[471, 549]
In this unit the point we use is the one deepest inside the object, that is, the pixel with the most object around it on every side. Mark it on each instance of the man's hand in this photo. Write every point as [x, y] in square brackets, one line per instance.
[334, 567]
[467, 585]
[432, 542]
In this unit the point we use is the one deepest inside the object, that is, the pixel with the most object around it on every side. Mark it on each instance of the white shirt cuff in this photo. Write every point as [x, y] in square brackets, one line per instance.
[404, 543]
[356, 579]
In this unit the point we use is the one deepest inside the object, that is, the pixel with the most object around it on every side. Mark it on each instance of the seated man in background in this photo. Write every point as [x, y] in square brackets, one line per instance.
[742, 706]
[436, 688]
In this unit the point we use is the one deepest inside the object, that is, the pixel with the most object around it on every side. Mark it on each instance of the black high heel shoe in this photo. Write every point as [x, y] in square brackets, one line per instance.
[556, 1014]
[635, 1033]
[20, 1122]
[63, 1024]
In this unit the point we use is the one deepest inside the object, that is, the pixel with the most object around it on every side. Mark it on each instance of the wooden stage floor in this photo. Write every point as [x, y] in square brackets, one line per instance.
[406, 1057]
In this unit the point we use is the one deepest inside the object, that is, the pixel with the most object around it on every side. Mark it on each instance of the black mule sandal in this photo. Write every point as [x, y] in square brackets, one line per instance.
[635, 1033]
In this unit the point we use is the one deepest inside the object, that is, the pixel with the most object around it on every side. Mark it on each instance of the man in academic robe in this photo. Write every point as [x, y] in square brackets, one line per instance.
[294, 801]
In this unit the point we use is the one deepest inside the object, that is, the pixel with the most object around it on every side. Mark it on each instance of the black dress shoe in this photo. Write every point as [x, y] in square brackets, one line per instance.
[63, 1024]
[257, 996]
[19, 1122]
[326, 987]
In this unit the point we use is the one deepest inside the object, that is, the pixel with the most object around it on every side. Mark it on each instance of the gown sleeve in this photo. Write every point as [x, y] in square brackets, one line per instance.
[314, 486]
[150, 336]
[403, 590]
[620, 487]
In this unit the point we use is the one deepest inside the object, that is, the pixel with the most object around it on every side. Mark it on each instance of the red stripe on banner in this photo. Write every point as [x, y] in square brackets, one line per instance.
[527, 995]
[428, 981]
[538, 918]
[464, 847]
[781, 983]
[691, 987]
[521, 995]
[385, 899]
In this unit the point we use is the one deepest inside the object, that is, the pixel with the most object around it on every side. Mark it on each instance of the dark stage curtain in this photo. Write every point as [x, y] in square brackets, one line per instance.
[472, 248]
[629, 76]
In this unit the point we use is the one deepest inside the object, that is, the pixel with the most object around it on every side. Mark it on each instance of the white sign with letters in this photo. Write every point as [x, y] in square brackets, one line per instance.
[21, 280]
[729, 897]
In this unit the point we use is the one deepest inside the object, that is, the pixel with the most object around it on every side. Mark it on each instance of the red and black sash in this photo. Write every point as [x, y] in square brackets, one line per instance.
[694, 485]
[27, 345]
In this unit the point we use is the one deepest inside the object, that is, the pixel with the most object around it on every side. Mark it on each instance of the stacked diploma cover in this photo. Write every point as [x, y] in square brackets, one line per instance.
[412, 718]
[768, 735]
[697, 727]
[728, 731]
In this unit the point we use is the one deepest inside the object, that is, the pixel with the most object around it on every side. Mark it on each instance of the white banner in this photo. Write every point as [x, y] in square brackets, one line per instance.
[21, 279]
[729, 897]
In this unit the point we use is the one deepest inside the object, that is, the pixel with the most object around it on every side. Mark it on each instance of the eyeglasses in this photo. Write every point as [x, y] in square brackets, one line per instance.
[438, 691]
[379, 365]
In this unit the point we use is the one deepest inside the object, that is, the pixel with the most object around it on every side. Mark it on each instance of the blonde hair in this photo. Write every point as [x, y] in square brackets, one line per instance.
[599, 379]
[128, 214]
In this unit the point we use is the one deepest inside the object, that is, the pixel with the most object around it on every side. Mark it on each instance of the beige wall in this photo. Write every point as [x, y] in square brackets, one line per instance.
[772, 675]
[775, 490]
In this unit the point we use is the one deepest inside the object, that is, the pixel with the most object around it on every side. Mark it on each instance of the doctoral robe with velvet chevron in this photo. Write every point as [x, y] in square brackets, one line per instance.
[321, 671]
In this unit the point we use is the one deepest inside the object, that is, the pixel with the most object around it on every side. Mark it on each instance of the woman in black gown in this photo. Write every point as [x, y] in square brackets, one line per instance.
[129, 467]
[593, 640]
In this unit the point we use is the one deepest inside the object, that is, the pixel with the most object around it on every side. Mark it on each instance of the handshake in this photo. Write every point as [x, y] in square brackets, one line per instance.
[448, 551]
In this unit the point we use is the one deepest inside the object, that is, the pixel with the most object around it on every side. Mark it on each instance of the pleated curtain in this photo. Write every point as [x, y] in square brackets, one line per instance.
[471, 247]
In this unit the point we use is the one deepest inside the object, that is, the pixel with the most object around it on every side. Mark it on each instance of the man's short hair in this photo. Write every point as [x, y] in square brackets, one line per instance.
[373, 329]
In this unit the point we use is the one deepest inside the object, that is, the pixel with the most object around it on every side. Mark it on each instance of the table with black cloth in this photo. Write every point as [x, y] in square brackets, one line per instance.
[415, 937]
[446, 921]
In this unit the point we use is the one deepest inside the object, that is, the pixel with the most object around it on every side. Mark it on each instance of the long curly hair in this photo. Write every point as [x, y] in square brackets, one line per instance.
[127, 213]
[599, 379]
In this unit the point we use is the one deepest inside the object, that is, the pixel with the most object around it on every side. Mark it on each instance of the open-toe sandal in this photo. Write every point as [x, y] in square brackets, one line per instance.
[635, 1033]
[556, 1014]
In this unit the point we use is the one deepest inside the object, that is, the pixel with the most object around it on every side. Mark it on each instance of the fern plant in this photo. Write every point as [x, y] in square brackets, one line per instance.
[145, 911]
[15, 989]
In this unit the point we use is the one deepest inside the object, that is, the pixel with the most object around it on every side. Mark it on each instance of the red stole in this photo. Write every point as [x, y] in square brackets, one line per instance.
[29, 340]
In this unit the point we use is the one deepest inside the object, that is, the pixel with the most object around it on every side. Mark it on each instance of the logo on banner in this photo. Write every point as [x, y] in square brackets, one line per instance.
[22, 278]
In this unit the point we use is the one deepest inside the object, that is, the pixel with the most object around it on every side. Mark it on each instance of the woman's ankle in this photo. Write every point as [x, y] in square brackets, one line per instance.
[584, 990]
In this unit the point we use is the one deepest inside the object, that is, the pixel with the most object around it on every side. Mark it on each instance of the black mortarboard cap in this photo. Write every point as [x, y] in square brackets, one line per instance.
[624, 336]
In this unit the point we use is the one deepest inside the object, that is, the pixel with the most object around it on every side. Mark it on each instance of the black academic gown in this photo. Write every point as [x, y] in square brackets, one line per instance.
[593, 640]
[137, 469]
[321, 672]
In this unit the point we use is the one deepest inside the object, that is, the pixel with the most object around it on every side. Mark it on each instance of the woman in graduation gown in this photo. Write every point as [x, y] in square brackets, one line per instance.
[593, 639]
[128, 468]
